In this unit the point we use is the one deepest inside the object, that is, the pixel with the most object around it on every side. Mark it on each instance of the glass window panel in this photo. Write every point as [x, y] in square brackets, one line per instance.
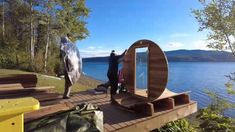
[141, 70]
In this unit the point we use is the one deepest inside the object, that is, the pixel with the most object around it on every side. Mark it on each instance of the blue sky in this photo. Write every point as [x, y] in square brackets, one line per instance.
[117, 24]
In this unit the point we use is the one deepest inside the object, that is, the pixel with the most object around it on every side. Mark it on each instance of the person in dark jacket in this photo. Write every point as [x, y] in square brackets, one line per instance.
[113, 71]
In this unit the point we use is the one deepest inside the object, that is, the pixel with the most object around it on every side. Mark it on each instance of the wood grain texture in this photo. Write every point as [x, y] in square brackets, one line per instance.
[157, 68]
[26, 80]
[117, 118]
[24, 85]
[18, 89]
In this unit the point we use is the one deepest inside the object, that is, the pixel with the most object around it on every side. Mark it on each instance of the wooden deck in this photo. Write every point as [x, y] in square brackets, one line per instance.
[117, 118]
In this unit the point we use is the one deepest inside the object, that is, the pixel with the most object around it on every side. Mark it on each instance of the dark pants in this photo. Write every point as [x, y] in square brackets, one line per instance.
[113, 78]
[67, 85]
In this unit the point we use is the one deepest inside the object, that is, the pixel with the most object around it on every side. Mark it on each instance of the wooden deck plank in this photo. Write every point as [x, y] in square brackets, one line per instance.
[17, 89]
[108, 127]
[45, 111]
[11, 85]
[83, 98]
[117, 118]
[160, 119]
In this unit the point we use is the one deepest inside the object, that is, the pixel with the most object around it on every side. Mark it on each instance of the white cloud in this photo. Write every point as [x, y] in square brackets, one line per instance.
[174, 45]
[98, 51]
[91, 47]
[200, 44]
[94, 53]
[177, 35]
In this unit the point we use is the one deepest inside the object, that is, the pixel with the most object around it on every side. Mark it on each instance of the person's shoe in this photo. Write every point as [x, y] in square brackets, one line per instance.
[65, 97]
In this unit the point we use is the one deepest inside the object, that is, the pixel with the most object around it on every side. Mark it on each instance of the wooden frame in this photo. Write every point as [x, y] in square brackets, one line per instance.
[157, 69]
[158, 97]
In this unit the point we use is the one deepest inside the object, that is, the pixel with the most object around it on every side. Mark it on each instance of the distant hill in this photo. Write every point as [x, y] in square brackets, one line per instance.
[199, 56]
[184, 56]
[96, 59]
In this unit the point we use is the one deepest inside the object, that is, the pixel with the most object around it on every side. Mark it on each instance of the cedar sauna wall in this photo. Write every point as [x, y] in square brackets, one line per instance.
[157, 69]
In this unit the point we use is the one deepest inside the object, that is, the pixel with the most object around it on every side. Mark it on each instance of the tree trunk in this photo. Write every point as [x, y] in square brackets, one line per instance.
[31, 33]
[47, 45]
[3, 21]
[34, 38]
[17, 60]
[230, 45]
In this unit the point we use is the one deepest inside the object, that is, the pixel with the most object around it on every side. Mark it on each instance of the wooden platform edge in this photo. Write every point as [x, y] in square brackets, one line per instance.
[162, 119]
[46, 111]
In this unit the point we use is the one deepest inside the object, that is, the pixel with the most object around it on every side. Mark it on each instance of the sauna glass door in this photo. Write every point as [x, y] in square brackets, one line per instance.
[141, 71]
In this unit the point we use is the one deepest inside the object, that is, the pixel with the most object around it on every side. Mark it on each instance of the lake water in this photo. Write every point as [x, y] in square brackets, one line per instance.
[184, 76]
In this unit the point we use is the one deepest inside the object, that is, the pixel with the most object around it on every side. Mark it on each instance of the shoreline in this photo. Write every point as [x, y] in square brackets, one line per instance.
[89, 81]
[92, 78]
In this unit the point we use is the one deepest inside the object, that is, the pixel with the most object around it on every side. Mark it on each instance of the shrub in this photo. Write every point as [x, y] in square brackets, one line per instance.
[213, 118]
[213, 121]
[181, 125]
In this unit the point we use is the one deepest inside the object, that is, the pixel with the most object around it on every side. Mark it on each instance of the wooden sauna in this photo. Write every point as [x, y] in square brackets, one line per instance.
[153, 96]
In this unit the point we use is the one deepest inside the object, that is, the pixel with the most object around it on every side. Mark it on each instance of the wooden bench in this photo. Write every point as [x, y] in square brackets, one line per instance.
[25, 85]
[25, 80]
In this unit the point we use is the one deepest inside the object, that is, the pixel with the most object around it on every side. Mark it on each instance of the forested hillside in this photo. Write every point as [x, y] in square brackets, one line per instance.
[200, 55]
[31, 30]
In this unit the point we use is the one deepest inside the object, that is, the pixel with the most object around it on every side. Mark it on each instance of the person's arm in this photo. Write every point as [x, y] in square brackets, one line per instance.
[120, 56]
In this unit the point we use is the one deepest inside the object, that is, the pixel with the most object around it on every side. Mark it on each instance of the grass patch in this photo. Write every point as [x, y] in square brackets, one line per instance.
[84, 82]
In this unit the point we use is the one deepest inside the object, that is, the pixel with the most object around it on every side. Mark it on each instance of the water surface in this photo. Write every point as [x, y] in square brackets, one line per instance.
[183, 76]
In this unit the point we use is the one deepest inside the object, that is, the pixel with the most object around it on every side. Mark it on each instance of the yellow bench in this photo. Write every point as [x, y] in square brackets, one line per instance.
[12, 113]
